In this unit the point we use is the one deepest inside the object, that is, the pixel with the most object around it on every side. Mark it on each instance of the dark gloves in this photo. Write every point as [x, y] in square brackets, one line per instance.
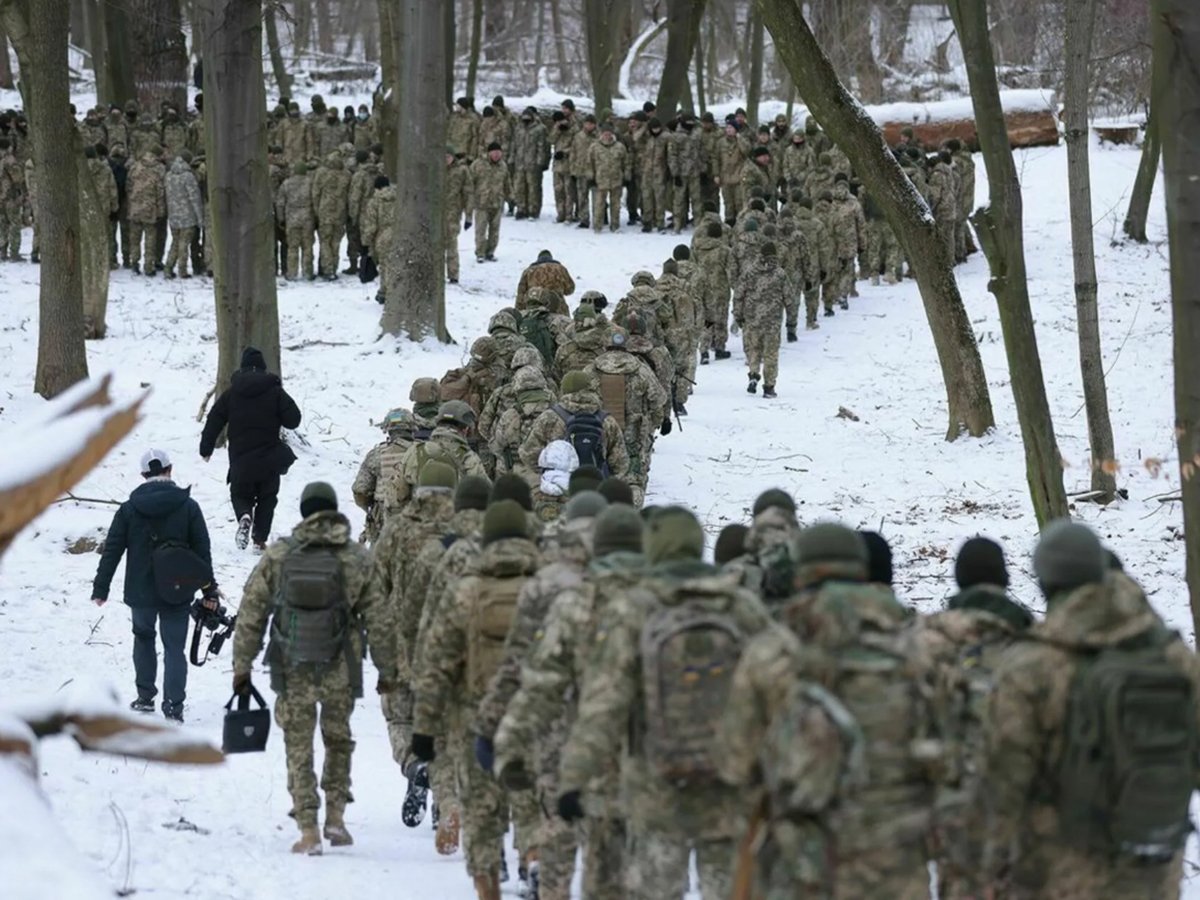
[467, 225]
[666, 427]
[678, 181]
[422, 747]
[570, 808]
[515, 777]
[559, 156]
[241, 684]
[485, 753]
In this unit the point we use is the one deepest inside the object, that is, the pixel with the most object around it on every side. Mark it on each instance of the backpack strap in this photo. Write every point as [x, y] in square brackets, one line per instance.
[562, 413]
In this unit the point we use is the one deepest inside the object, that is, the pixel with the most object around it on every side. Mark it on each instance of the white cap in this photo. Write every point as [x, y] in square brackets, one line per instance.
[152, 456]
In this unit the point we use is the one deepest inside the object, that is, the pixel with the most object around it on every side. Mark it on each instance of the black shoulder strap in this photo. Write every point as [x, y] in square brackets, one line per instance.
[562, 413]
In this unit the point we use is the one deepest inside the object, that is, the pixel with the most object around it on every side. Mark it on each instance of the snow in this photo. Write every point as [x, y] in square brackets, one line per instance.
[890, 470]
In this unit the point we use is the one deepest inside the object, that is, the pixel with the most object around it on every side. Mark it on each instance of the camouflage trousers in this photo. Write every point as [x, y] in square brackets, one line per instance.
[527, 189]
[557, 842]
[582, 194]
[606, 200]
[329, 236]
[486, 808]
[716, 320]
[732, 199]
[10, 230]
[453, 223]
[181, 243]
[564, 196]
[791, 303]
[299, 252]
[761, 343]
[398, 714]
[884, 256]
[306, 699]
[658, 866]
[139, 233]
[605, 854]
[487, 230]
[654, 201]
[895, 872]
[843, 279]
[354, 248]
[687, 194]
[812, 303]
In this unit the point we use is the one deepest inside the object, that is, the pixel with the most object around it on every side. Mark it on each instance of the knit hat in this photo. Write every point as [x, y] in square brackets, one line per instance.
[830, 550]
[494, 145]
[317, 496]
[879, 557]
[472, 493]
[575, 381]
[437, 476]
[1068, 556]
[673, 533]
[585, 505]
[506, 519]
[252, 358]
[585, 478]
[681, 252]
[512, 487]
[155, 462]
[714, 229]
[767, 249]
[731, 543]
[617, 528]
[980, 561]
[615, 490]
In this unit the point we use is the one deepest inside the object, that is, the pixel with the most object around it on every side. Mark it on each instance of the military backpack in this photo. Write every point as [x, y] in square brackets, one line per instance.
[533, 328]
[488, 625]
[612, 395]
[585, 432]
[311, 623]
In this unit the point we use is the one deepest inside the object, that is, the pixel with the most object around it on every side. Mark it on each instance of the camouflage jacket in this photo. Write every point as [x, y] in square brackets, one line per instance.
[646, 405]
[331, 192]
[12, 179]
[439, 570]
[174, 137]
[731, 158]
[144, 137]
[102, 180]
[460, 197]
[608, 165]
[330, 136]
[581, 152]
[147, 190]
[942, 200]
[685, 155]
[964, 165]
[742, 259]
[587, 338]
[378, 222]
[490, 183]
[529, 398]
[763, 302]
[755, 175]
[820, 243]
[849, 228]
[652, 159]
[551, 275]
[495, 129]
[531, 147]
[550, 426]
[795, 163]
[712, 266]
[445, 445]
[362, 186]
[297, 140]
[294, 207]
[462, 132]
[184, 207]
[381, 463]
[819, 180]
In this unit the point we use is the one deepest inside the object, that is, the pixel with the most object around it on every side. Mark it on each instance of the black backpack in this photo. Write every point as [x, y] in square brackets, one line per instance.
[585, 432]
[178, 571]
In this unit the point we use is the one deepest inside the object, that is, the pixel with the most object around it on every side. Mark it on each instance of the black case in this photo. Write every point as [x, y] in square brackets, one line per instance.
[246, 729]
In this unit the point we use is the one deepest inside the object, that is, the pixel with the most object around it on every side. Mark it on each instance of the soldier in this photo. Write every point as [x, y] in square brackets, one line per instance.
[884, 256]
[581, 166]
[652, 176]
[646, 298]
[144, 136]
[849, 235]
[742, 259]
[817, 139]
[964, 165]
[362, 184]
[314, 587]
[531, 158]
[820, 246]
[683, 331]
[147, 204]
[796, 161]
[365, 131]
[296, 137]
[447, 443]
[495, 127]
[462, 129]
[804, 267]
[561, 137]
[116, 162]
[943, 202]
[381, 464]
[685, 618]
[711, 253]
[105, 183]
[465, 642]
[13, 199]
[490, 186]
[760, 315]
[579, 419]
[545, 272]
[686, 162]
[174, 133]
[504, 328]
[460, 202]
[116, 128]
[91, 129]
[330, 199]
[609, 170]
[295, 209]
[330, 134]
[731, 159]
[710, 138]
[185, 212]
[821, 177]
[377, 223]
[587, 337]
[532, 397]
[757, 173]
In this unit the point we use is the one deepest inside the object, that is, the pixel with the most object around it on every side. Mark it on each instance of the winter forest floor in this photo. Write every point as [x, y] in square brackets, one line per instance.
[224, 833]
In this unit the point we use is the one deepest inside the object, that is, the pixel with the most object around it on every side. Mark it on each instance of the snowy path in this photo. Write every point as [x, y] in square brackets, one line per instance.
[891, 470]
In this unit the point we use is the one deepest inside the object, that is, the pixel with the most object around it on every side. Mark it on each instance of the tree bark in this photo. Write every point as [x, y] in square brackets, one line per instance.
[449, 30]
[683, 35]
[1143, 184]
[303, 13]
[415, 285]
[160, 59]
[93, 252]
[893, 36]
[754, 89]
[324, 27]
[283, 80]
[118, 53]
[493, 27]
[1000, 227]
[476, 40]
[969, 406]
[602, 24]
[866, 69]
[386, 113]
[6, 72]
[1175, 26]
[701, 95]
[239, 187]
[39, 32]
[1080, 22]
[560, 44]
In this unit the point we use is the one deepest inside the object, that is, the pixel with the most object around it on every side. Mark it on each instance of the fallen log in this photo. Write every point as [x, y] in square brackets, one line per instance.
[1029, 115]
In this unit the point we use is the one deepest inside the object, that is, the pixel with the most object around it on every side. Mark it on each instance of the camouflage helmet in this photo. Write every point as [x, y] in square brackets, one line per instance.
[398, 420]
[536, 298]
[642, 278]
[425, 390]
[505, 320]
[457, 413]
[575, 381]
[484, 349]
[591, 298]
[529, 378]
[829, 550]
[528, 355]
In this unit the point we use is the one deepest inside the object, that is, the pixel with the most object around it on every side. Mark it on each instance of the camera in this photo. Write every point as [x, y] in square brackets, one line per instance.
[217, 621]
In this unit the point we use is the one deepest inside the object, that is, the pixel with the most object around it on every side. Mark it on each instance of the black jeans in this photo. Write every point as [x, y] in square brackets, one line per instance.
[172, 622]
[256, 499]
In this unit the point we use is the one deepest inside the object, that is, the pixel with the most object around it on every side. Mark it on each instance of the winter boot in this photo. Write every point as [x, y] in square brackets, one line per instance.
[350, 270]
[829, 312]
[35, 257]
[446, 841]
[174, 712]
[845, 302]
[534, 880]
[875, 280]
[752, 387]
[142, 705]
[487, 887]
[791, 334]
[890, 278]
[413, 810]
[680, 409]
[335, 828]
[170, 276]
[723, 354]
[812, 326]
[309, 843]
[769, 392]
[704, 358]
[136, 269]
[646, 228]
[242, 538]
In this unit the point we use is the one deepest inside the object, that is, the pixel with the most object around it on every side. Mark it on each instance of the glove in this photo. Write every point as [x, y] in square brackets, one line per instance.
[241, 684]
[666, 427]
[678, 181]
[559, 156]
[570, 809]
[422, 747]
[467, 225]
[515, 777]
[485, 753]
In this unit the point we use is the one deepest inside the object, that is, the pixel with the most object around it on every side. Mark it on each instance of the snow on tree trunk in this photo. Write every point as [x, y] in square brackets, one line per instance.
[849, 125]
[1143, 183]
[415, 284]
[160, 60]
[1000, 227]
[683, 31]
[476, 41]
[239, 188]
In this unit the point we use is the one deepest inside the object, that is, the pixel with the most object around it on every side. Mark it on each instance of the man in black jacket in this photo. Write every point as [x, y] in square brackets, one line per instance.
[158, 511]
[254, 408]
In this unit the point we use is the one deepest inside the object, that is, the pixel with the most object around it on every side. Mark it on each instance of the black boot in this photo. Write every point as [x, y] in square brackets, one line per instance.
[769, 392]
[413, 810]
[752, 387]
[680, 409]
[722, 354]
[704, 358]
[791, 334]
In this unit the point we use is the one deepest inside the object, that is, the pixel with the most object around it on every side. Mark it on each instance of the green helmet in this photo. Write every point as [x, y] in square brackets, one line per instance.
[673, 533]
[398, 420]
[457, 413]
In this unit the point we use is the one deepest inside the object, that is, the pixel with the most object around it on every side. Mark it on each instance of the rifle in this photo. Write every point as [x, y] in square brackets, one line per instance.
[743, 873]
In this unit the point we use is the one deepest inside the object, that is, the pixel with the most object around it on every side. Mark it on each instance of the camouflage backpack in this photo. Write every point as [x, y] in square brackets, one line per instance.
[1129, 756]
[456, 385]
[612, 395]
[689, 649]
[310, 625]
[487, 628]
[533, 328]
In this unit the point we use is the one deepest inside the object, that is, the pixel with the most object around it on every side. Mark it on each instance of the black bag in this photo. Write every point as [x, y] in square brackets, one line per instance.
[178, 572]
[246, 729]
[368, 270]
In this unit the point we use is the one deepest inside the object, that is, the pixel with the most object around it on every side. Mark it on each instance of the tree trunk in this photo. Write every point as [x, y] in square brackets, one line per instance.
[866, 69]
[386, 114]
[94, 12]
[969, 406]
[1143, 184]
[449, 29]
[1080, 21]
[302, 10]
[701, 96]
[239, 186]
[602, 20]
[160, 59]
[893, 32]
[39, 35]
[415, 284]
[6, 72]
[754, 89]
[93, 252]
[324, 27]
[560, 44]
[1000, 227]
[76, 24]
[476, 40]
[119, 53]
[283, 80]
[1175, 26]
[493, 27]
[683, 34]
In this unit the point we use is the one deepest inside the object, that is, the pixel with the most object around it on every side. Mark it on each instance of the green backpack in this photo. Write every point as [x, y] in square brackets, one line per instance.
[533, 328]
[1130, 754]
[311, 621]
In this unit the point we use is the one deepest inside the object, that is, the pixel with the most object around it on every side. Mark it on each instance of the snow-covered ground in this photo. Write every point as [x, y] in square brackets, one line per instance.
[890, 470]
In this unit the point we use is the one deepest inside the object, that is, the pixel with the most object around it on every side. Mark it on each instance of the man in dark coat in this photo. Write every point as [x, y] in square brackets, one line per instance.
[254, 407]
[158, 511]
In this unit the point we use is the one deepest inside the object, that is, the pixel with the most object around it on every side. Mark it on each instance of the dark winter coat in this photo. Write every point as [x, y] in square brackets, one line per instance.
[157, 508]
[255, 407]
[121, 176]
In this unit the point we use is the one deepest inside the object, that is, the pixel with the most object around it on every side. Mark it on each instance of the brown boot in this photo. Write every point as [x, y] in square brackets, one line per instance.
[309, 843]
[335, 829]
[487, 887]
[446, 839]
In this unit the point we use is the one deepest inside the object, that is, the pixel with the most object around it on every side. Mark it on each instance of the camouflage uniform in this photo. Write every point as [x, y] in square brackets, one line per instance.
[174, 134]
[147, 204]
[731, 160]
[362, 185]
[802, 267]
[462, 132]
[330, 200]
[943, 203]
[381, 464]
[561, 138]
[849, 228]
[490, 187]
[13, 199]
[545, 273]
[185, 214]
[301, 689]
[683, 333]
[531, 157]
[446, 445]
[495, 128]
[964, 164]
[589, 336]
[296, 138]
[144, 137]
[820, 178]
[531, 397]
[685, 162]
[652, 179]
[330, 135]
[796, 162]
[760, 312]
[884, 256]
[756, 174]
[820, 244]
[503, 329]
[504, 396]
[712, 263]
[581, 168]
[647, 300]
[295, 209]
[609, 169]
[459, 202]
[550, 426]
[379, 218]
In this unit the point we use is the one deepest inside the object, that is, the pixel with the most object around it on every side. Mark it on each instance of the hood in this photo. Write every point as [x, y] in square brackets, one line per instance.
[328, 528]
[580, 401]
[694, 575]
[770, 527]
[433, 509]
[616, 362]
[1098, 615]
[465, 523]
[837, 612]
[529, 378]
[994, 601]
[572, 544]
[508, 557]
[156, 499]
[623, 562]
[253, 382]
[559, 456]
[387, 194]
[703, 243]
[178, 167]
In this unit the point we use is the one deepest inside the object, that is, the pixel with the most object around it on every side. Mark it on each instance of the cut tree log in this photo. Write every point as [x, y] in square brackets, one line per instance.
[1028, 115]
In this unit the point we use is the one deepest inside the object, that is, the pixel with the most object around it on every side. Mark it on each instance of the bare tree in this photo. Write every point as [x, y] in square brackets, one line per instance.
[6, 72]
[1000, 228]
[754, 87]
[969, 406]
[118, 63]
[239, 187]
[160, 59]
[1080, 22]
[1176, 105]
[603, 21]
[476, 40]
[683, 33]
[283, 80]
[1143, 183]
[560, 44]
[39, 35]
[415, 285]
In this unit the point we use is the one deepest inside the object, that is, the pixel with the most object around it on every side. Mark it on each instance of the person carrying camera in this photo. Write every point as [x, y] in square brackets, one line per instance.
[156, 526]
[313, 589]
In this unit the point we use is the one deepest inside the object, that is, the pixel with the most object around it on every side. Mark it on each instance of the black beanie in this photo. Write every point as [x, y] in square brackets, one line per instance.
[731, 543]
[614, 490]
[777, 498]
[980, 561]
[879, 557]
[472, 493]
[252, 358]
[585, 478]
[681, 252]
[512, 487]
